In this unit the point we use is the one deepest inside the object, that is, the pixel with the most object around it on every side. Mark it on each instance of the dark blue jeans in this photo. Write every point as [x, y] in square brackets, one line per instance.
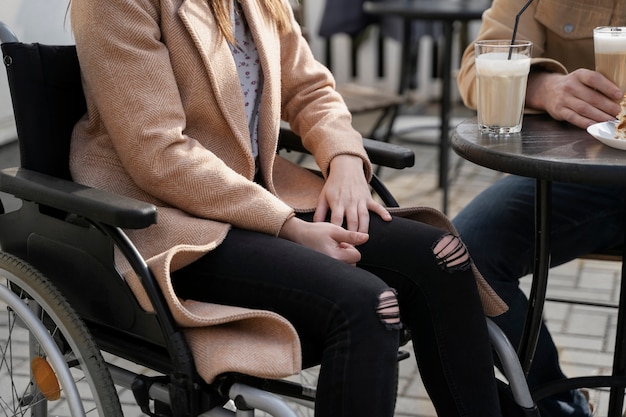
[498, 228]
[333, 307]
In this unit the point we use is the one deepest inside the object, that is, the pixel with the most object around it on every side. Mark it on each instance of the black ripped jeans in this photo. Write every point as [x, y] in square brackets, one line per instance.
[335, 310]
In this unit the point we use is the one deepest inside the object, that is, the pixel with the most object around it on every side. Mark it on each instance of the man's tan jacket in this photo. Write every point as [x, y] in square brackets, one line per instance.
[561, 32]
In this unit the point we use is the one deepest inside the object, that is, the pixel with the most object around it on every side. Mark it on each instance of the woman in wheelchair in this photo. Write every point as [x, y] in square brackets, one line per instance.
[185, 100]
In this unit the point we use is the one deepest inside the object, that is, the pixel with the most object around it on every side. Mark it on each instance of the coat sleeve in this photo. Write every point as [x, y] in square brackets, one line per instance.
[497, 23]
[313, 107]
[135, 102]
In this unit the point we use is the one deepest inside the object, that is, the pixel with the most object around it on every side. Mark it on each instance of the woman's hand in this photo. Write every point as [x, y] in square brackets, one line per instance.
[347, 195]
[582, 97]
[327, 238]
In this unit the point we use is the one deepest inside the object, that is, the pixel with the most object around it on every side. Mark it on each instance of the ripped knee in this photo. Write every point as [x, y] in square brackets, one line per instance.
[389, 310]
[451, 253]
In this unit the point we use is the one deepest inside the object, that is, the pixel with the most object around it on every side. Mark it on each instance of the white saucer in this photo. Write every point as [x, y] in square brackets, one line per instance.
[605, 133]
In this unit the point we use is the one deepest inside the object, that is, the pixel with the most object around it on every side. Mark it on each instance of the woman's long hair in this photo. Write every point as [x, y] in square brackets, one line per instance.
[275, 10]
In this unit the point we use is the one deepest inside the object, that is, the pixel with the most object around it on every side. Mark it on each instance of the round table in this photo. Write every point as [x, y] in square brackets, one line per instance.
[548, 150]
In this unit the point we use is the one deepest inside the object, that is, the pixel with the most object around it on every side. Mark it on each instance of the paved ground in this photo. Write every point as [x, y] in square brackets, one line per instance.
[584, 334]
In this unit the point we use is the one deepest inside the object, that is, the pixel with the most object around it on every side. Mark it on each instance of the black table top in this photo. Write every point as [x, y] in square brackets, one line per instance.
[546, 149]
[450, 10]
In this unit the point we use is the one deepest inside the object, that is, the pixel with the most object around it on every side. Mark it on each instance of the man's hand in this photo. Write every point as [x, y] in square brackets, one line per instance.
[582, 97]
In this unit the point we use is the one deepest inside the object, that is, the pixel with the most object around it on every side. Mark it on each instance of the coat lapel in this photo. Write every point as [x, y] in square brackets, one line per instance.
[220, 67]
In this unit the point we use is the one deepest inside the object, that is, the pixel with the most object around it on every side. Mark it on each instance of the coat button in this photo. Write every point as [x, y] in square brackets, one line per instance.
[568, 28]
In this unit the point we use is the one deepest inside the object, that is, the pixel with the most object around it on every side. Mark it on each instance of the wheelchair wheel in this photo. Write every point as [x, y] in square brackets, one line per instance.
[49, 364]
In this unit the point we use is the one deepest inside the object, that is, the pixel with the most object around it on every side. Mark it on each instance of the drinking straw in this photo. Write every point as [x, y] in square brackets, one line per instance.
[515, 26]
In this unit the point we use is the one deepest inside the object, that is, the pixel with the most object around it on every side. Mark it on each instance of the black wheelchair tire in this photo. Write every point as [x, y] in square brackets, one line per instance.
[88, 368]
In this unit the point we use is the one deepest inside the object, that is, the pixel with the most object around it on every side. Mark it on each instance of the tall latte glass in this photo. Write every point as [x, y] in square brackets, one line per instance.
[501, 73]
[609, 44]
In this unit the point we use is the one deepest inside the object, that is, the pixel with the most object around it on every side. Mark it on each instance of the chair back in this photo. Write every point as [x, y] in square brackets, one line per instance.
[48, 100]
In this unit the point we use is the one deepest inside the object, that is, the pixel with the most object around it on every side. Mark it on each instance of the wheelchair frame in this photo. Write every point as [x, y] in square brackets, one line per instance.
[61, 221]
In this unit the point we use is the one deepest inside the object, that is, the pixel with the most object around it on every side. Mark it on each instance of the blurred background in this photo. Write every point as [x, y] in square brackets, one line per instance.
[47, 21]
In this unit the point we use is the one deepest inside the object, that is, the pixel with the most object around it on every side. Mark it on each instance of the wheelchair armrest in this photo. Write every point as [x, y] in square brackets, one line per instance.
[389, 155]
[90, 203]
[380, 153]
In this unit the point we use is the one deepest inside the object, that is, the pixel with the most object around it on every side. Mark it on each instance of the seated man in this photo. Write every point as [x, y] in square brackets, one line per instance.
[498, 225]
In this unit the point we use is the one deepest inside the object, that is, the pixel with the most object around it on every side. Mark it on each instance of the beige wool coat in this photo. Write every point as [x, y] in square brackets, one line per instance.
[166, 124]
[561, 32]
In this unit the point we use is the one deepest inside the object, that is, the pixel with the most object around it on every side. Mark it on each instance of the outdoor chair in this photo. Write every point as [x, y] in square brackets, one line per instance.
[70, 312]
[614, 382]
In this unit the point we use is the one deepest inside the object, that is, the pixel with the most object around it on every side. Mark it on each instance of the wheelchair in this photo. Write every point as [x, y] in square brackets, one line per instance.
[70, 313]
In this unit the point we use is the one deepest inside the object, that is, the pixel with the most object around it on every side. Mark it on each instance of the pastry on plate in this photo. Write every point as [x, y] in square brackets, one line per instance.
[620, 128]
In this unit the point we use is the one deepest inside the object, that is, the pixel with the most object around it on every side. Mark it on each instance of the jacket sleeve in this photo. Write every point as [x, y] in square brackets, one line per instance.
[497, 23]
[132, 91]
[312, 106]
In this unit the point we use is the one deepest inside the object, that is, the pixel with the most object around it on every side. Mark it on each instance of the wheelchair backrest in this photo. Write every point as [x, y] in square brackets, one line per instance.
[48, 100]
